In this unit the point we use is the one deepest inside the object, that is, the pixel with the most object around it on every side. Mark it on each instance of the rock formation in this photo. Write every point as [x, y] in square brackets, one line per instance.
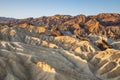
[60, 47]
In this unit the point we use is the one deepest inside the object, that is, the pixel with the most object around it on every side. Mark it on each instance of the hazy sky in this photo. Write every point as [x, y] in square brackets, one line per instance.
[37, 8]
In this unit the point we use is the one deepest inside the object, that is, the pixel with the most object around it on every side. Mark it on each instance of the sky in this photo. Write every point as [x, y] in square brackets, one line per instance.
[37, 8]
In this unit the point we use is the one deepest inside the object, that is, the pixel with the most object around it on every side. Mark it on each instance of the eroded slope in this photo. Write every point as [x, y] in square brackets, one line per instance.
[61, 47]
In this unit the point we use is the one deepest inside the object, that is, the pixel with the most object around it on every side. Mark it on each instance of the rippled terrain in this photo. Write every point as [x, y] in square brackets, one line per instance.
[60, 47]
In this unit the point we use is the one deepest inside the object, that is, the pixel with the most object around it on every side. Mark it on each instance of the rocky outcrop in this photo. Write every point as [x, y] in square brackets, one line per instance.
[60, 47]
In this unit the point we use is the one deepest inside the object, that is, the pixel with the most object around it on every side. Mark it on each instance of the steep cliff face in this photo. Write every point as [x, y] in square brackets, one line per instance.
[60, 47]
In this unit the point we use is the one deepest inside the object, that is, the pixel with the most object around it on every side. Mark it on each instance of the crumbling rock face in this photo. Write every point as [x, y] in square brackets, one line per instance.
[60, 47]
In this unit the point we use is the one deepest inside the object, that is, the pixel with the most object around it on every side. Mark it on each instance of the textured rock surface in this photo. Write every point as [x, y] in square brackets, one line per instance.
[60, 47]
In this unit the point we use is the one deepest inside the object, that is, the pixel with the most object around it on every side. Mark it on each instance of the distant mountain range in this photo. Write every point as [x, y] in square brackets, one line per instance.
[4, 18]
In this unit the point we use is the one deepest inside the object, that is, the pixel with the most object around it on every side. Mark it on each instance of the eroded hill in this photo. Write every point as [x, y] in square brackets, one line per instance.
[60, 47]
